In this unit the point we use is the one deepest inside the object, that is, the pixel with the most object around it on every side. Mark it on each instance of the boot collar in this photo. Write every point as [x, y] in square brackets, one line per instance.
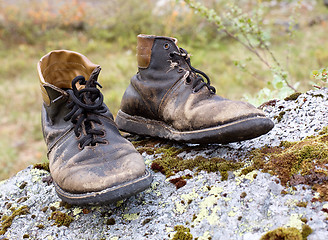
[145, 45]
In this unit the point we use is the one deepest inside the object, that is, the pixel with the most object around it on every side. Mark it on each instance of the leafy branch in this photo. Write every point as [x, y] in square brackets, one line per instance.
[241, 27]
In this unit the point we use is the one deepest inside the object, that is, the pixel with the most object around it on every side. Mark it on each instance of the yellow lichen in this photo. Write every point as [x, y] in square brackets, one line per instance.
[77, 210]
[295, 221]
[131, 216]
[206, 236]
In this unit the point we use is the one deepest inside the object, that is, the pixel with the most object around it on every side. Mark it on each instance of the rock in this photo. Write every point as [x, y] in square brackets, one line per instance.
[242, 207]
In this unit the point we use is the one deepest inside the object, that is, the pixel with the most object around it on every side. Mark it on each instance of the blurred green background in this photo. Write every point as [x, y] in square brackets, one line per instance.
[105, 31]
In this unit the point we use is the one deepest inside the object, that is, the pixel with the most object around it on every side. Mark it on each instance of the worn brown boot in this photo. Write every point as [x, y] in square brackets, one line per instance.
[90, 162]
[168, 98]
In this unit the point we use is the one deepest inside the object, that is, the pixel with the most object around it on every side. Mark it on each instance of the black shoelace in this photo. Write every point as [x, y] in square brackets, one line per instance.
[199, 82]
[86, 104]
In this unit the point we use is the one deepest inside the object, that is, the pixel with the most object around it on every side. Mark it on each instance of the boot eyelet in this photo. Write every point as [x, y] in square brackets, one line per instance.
[166, 46]
[78, 136]
[180, 70]
[79, 146]
[103, 134]
[188, 81]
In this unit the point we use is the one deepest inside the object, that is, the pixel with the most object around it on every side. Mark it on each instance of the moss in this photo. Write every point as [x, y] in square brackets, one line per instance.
[302, 162]
[61, 219]
[65, 205]
[303, 219]
[317, 95]
[247, 170]
[86, 211]
[8, 205]
[42, 166]
[23, 185]
[170, 163]
[324, 131]
[44, 209]
[182, 233]
[178, 182]
[53, 208]
[243, 195]
[279, 116]
[22, 199]
[146, 221]
[148, 150]
[293, 96]
[110, 221]
[306, 231]
[40, 226]
[283, 234]
[302, 204]
[6, 221]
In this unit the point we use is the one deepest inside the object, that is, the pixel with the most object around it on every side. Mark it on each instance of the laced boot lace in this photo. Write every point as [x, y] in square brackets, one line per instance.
[199, 81]
[86, 104]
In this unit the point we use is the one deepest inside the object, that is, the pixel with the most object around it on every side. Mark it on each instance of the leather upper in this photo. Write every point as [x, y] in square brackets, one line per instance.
[164, 91]
[94, 167]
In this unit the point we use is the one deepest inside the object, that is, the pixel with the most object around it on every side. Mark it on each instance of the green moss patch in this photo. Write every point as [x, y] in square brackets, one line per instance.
[293, 96]
[61, 219]
[6, 221]
[306, 231]
[182, 233]
[289, 233]
[280, 116]
[170, 163]
[283, 234]
[302, 162]
[42, 166]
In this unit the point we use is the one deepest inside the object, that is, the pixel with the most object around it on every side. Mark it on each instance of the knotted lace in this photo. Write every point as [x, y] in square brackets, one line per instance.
[86, 104]
[199, 82]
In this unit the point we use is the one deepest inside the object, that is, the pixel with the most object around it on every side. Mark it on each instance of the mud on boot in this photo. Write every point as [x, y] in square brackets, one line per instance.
[169, 98]
[90, 162]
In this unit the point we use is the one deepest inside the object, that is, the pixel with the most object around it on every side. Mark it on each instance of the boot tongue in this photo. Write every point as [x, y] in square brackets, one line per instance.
[92, 82]
[88, 97]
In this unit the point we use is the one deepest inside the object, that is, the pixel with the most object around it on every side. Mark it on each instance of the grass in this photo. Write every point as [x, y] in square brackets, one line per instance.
[21, 142]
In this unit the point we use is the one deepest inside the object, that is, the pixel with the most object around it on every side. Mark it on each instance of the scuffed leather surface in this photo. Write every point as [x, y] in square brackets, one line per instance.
[93, 168]
[161, 92]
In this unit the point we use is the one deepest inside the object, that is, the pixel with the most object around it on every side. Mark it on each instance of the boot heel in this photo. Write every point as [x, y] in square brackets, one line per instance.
[141, 126]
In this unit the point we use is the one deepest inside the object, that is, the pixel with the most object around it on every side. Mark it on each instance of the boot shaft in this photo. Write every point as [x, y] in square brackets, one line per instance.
[159, 70]
[57, 69]
[156, 58]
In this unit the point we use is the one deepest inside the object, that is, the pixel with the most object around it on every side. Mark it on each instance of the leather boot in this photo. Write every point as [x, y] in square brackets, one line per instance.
[90, 162]
[168, 98]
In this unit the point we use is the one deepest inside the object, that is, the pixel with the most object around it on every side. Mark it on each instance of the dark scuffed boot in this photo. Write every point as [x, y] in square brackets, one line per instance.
[168, 98]
[90, 162]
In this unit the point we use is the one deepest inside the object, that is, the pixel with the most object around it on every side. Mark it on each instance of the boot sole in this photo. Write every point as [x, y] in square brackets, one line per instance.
[240, 130]
[108, 195]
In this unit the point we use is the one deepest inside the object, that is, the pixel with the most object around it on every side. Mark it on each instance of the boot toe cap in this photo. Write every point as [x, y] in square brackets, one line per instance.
[102, 171]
